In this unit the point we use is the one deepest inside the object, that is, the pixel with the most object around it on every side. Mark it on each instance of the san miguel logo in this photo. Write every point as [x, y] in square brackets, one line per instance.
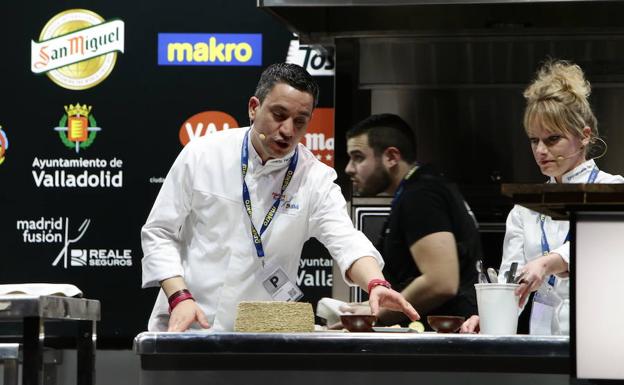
[77, 49]
[77, 128]
[4, 144]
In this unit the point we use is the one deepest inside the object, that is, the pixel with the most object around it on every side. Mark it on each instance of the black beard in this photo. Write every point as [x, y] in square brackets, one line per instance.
[377, 183]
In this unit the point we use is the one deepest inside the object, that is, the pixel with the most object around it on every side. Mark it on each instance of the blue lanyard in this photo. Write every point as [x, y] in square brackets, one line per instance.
[545, 245]
[401, 188]
[257, 240]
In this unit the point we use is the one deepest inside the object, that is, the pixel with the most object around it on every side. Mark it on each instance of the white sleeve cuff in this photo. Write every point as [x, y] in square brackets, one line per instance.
[564, 251]
[345, 262]
[156, 268]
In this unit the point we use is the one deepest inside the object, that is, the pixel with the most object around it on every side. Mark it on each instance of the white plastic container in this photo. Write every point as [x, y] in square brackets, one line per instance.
[498, 308]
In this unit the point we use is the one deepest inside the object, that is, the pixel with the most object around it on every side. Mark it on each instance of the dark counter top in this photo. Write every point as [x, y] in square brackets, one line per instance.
[354, 351]
[558, 200]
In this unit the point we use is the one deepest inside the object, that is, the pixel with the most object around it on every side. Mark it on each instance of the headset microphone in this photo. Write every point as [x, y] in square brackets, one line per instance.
[260, 135]
[561, 157]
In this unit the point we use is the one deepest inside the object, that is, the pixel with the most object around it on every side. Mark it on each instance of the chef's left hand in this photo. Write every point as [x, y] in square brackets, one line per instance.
[381, 296]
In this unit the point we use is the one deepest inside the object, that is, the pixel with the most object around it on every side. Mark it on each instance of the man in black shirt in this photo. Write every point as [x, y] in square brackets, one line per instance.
[430, 241]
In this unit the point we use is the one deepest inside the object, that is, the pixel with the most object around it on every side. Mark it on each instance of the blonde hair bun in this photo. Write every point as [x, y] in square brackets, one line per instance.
[557, 100]
[560, 80]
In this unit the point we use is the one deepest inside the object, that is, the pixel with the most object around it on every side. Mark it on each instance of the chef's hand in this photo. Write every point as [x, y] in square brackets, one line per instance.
[184, 314]
[471, 325]
[538, 270]
[381, 296]
[360, 308]
[532, 276]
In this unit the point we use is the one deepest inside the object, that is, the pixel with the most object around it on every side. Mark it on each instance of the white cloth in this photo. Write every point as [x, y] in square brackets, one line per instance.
[59, 289]
[198, 227]
[523, 233]
[329, 309]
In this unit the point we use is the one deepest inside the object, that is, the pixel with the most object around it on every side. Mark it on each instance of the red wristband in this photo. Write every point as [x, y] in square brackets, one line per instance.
[177, 297]
[378, 282]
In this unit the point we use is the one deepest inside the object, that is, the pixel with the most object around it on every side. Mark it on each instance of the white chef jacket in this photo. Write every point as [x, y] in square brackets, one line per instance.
[523, 232]
[198, 227]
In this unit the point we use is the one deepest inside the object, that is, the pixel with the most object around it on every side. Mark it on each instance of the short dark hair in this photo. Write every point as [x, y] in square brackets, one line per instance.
[387, 130]
[291, 74]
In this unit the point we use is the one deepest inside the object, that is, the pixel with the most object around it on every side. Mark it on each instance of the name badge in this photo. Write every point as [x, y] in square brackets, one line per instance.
[544, 303]
[278, 285]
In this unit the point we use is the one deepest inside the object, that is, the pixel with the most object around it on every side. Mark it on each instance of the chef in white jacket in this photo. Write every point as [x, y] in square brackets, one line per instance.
[562, 130]
[237, 206]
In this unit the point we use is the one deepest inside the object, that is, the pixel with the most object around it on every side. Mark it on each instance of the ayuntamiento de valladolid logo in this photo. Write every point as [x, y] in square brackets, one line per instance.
[77, 130]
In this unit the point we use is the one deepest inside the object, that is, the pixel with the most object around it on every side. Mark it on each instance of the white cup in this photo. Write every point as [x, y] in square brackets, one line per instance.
[498, 308]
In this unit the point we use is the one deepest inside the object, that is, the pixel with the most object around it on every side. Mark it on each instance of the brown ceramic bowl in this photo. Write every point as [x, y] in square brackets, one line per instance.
[358, 322]
[445, 323]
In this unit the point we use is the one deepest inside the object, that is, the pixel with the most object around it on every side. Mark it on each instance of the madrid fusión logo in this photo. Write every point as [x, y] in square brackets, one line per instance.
[77, 259]
[62, 233]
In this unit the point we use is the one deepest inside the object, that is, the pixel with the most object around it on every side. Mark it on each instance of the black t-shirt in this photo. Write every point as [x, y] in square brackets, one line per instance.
[430, 204]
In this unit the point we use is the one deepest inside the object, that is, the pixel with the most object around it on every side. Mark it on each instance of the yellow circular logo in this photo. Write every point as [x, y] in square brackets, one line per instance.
[68, 44]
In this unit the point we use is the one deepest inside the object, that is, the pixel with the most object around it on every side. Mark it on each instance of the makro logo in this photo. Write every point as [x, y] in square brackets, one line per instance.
[4, 144]
[59, 232]
[204, 123]
[209, 49]
[77, 49]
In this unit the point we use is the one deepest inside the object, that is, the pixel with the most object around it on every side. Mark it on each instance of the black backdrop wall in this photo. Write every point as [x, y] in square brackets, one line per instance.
[83, 155]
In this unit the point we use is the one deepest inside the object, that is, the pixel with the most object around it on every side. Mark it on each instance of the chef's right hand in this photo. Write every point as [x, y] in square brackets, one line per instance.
[471, 325]
[184, 314]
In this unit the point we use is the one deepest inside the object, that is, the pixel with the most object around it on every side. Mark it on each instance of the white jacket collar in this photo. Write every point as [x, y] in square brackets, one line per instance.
[271, 164]
[579, 174]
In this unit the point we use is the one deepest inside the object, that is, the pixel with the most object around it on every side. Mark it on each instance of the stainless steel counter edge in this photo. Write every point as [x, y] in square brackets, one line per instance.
[9, 351]
[149, 343]
[14, 307]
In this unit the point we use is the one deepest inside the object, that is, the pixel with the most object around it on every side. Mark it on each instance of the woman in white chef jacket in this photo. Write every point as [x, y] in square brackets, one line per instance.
[562, 130]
